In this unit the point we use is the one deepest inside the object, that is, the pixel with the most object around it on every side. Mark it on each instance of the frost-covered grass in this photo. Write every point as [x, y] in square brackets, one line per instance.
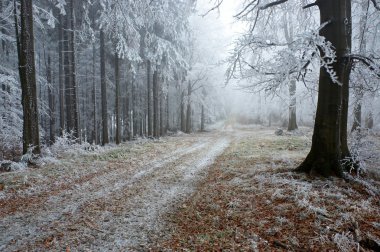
[112, 200]
[68, 162]
[262, 204]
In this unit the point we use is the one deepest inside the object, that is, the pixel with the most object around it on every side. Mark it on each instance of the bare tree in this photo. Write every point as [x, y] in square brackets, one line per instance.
[103, 86]
[25, 49]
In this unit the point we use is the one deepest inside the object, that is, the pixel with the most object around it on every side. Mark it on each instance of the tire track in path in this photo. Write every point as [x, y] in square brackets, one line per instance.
[117, 211]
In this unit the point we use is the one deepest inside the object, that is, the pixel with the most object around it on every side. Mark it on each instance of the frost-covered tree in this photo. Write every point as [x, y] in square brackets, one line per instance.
[27, 72]
[331, 44]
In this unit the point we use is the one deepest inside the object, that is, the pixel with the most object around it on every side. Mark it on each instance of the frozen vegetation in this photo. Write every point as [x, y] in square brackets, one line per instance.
[189, 125]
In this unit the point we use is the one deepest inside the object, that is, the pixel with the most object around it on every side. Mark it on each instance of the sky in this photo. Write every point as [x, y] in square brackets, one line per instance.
[216, 33]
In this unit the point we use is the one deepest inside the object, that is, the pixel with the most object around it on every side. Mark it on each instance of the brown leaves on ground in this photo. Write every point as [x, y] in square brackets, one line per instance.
[252, 201]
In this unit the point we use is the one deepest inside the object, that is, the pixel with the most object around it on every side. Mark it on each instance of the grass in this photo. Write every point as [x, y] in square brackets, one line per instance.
[253, 201]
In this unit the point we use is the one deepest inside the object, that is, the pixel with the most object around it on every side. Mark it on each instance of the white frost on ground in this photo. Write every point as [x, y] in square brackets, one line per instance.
[117, 210]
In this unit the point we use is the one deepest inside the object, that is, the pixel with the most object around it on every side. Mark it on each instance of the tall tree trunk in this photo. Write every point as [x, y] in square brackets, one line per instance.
[127, 108]
[369, 120]
[27, 71]
[66, 71]
[3, 31]
[289, 34]
[292, 125]
[203, 118]
[155, 105]
[325, 154]
[345, 151]
[356, 125]
[4, 46]
[103, 87]
[149, 81]
[167, 108]
[74, 88]
[183, 116]
[134, 109]
[162, 130]
[359, 90]
[95, 128]
[141, 113]
[51, 101]
[70, 75]
[117, 95]
[188, 110]
[61, 75]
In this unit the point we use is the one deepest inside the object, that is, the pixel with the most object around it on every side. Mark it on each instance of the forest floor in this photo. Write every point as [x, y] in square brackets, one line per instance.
[231, 190]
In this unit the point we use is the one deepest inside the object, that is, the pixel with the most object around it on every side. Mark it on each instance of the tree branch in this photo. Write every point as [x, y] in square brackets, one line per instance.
[245, 8]
[311, 5]
[367, 62]
[272, 4]
[216, 6]
[375, 4]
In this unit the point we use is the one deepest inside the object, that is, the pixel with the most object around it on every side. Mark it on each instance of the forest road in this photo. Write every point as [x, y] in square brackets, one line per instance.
[116, 210]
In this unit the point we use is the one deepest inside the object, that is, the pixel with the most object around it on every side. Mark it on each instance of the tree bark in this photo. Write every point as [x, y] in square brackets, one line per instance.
[345, 151]
[103, 87]
[162, 130]
[117, 96]
[61, 75]
[203, 118]
[167, 109]
[188, 109]
[288, 31]
[156, 125]
[127, 107]
[51, 102]
[149, 91]
[358, 90]
[369, 121]
[183, 115]
[27, 71]
[69, 72]
[292, 125]
[325, 154]
[95, 128]
[74, 88]
[356, 125]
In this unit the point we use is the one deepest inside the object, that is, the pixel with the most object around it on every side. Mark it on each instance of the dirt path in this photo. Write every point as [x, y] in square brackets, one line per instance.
[102, 205]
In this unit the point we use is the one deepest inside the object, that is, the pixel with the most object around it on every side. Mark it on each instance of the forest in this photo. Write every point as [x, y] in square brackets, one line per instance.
[189, 125]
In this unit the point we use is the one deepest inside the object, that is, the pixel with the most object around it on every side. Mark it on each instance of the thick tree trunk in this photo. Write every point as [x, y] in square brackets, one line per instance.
[156, 118]
[69, 71]
[51, 102]
[61, 75]
[25, 48]
[292, 125]
[103, 87]
[117, 97]
[345, 151]
[325, 155]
